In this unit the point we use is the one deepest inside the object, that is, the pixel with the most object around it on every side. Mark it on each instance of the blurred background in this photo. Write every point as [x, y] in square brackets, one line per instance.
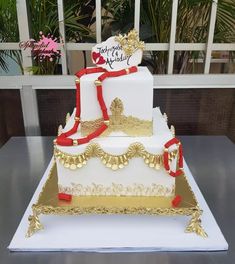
[189, 39]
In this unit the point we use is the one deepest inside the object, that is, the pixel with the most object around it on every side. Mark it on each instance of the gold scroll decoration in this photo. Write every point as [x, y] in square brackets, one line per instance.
[131, 126]
[130, 42]
[34, 223]
[195, 226]
[113, 162]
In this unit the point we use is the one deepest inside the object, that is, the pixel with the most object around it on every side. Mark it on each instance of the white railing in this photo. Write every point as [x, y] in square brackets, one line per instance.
[28, 84]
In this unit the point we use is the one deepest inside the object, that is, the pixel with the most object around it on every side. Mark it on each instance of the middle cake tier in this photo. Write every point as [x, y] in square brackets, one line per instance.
[118, 166]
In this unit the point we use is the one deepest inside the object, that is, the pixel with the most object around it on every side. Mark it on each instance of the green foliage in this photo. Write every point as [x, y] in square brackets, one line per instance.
[9, 33]
[193, 25]
[155, 23]
[44, 17]
[79, 19]
[118, 16]
[225, 22]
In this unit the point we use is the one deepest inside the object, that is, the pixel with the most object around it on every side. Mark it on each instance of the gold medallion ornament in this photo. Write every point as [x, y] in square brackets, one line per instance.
[130, 42]
[131, 126]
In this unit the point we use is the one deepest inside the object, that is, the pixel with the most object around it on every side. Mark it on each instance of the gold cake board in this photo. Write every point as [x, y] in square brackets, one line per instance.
[49, 204]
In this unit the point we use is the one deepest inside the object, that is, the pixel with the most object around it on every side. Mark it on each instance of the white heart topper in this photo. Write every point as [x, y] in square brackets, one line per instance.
[119, 52]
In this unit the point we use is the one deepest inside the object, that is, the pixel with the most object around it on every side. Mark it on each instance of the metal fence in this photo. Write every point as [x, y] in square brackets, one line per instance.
[28, 84]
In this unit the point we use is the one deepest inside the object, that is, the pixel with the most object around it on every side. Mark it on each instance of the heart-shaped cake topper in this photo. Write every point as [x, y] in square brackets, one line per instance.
[118, 52]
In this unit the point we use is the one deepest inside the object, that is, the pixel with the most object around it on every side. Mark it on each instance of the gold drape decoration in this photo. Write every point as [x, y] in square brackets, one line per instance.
[114, 162]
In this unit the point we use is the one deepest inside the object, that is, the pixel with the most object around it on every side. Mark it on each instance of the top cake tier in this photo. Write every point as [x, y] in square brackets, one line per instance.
[128, 99]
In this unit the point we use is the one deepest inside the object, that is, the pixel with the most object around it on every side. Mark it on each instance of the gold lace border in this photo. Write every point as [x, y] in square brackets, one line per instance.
[130, 125]
[116, 189]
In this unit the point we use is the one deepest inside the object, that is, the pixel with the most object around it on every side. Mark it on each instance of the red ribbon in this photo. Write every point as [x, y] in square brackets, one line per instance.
[176, 201]
[65, 197]
[168, 144]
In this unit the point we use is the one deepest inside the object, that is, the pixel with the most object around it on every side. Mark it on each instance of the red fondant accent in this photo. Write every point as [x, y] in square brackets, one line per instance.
[171, 142]
[63, 141]
[65, 197]
[166, 160]
[83, 140]
[101, 102]
[133, 69]
[78, 109]
[179, 171]
[80, 73]
[95, 56]
[103, 76]
[73, 130]
[95, 70]
[105, 114]
[101, 60]
[176, 201]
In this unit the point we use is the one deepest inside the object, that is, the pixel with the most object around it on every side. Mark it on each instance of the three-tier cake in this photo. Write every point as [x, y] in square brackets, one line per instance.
[116, 154]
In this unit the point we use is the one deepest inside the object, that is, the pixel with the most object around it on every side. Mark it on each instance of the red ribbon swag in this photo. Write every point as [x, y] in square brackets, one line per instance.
[64, 139]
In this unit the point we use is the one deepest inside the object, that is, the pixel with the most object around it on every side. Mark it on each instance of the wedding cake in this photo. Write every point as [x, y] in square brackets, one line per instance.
[116, 154]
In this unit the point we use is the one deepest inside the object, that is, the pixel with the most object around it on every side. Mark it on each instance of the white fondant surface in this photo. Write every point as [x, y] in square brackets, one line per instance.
[135, 90]
[135, 173]
[118, 233]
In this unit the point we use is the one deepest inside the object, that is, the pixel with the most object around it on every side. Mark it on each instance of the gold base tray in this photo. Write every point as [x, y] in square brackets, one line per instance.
[49, 204]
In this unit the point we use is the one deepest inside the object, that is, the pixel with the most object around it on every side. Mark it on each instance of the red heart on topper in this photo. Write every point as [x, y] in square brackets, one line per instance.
[101, 60]
[97, 58]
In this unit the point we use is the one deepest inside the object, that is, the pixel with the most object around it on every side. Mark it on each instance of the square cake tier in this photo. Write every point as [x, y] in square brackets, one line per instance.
[125, 98]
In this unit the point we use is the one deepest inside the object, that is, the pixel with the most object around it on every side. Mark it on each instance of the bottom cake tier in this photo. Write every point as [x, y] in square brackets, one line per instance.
[184, 204]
